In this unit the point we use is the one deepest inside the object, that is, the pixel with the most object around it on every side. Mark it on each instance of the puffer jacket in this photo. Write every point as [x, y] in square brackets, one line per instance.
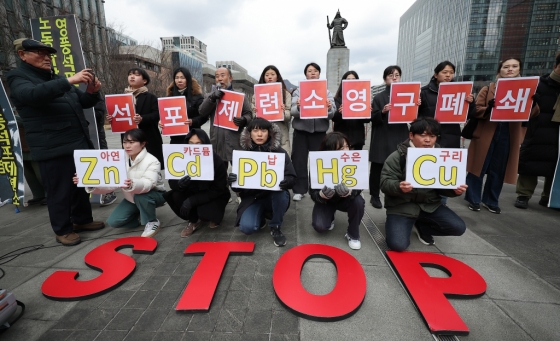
[283, 125]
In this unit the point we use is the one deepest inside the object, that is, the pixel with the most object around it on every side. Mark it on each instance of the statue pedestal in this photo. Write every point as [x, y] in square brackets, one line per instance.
[338, 62]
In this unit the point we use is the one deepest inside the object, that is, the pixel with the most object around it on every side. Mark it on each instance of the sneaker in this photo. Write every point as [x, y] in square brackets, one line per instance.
[474, 207]
[425, 239]
[108, 199]
[93, 226]
[213, 225]
[151, 229]
[375, 202]
[493, 209]
[69, 239]
[522, 202]
[542, 202]
[36, 201]
[190, 228]
[279, 239]
[297, 197]
[354, 244]
[332, 226]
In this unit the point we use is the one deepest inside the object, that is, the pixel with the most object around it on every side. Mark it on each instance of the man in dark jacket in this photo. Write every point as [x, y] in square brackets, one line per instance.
[421, 207]
[52, 111]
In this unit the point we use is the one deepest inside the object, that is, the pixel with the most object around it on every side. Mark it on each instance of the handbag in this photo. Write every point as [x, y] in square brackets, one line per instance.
[469, 128]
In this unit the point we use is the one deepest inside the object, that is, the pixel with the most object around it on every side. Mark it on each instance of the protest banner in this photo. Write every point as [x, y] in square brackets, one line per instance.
[12, 185]
[313, 99]
[228, 107]
[194, 160]
[452, 106]
[404, 102]
[61, 32]
[173, 115]
[256, 170]
[268, 101]
[554, 197]
[514, 99]
[436, 167]
[330, 168]
[100, 168]
[356, 99]
[121, 108]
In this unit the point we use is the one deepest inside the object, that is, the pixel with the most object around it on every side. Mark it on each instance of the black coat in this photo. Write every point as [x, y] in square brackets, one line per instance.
[100, 113]
[385, 137]
[450, 134]
[539, 151]
[353, 129]
[192, 111]
[52, 111]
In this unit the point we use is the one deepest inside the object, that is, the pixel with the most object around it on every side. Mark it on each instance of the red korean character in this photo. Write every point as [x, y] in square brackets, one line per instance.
[345, 157]
[115, 155]
[105, 156]
[356, 156]
[271, 160]
[444, 155]
[196, 150]
[206, 151]
[187, 150]
[457, 155]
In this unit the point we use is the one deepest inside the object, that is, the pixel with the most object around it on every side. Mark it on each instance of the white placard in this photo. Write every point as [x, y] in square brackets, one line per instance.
[100, 168]
[436, 167]
[330, 168]
[257, 170]
[195, 160]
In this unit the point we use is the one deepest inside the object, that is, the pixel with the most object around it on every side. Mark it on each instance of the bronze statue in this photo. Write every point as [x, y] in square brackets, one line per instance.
[338, 25]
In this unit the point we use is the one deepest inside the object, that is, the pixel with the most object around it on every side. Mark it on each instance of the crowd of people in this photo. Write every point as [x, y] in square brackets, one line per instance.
[53, 126]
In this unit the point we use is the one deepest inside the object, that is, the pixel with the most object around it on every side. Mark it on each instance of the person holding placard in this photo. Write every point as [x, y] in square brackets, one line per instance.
[196, 200]
[418, 208]
[271, 74]
[261, 135]
[494, 148]
[308, 133]
[340, 198]
[354, 130]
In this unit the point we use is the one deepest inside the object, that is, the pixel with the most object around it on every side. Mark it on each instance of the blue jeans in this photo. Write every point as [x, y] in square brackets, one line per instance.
[323, 215]
[442, 222]
[494, 167]
[126, 213]
[275, 202]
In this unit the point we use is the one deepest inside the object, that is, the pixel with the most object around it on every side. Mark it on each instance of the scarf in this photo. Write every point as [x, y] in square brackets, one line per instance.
[556, 117]
[181, 91]
[135, 92]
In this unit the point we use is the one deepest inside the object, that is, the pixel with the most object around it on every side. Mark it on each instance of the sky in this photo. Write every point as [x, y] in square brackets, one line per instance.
[288, 34]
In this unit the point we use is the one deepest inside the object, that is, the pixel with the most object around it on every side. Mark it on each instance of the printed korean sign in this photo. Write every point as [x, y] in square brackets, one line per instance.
[194, 160]
[100, 168]
[121, 109]
[404, 102]
[436, 167]
[356, 99]
[228, 107]
[452, 106]
[173, 115]
[258, 170]
[514, 99]
[313, 99]
[268, 101]
[330, 168]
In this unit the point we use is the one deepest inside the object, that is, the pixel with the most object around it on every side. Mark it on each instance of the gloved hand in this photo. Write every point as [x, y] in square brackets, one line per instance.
[186, 208]
[342, 190]
[536, 98]
[184, 182]
[287, 183]
[216, 95]
[491, 103]
[240, 121]
[232, 177]
[327, 192]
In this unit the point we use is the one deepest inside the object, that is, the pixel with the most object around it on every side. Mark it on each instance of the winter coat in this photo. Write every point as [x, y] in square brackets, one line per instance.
[539, 151]
[484, 133]
[418, 199]
[224, 141]
[353, 129]
[100, 114]
[385, 137]
[273, 145]
[450, 134]
[283, 125]
[193, 103]
[144, 173]
[317, 125]
[52, 110]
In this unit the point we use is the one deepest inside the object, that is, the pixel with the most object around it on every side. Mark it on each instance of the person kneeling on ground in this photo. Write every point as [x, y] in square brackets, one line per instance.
[143, 190]
[341, 198]
[197, 200]
[409, 207]
[262, 136]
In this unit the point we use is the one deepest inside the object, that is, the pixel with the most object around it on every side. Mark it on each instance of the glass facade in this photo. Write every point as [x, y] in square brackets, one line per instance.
[181, 59]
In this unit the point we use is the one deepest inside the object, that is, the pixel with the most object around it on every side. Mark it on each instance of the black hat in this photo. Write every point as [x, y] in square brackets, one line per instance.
[25, 44]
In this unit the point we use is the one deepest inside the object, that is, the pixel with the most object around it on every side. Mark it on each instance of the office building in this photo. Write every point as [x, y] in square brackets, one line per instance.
[188, 44]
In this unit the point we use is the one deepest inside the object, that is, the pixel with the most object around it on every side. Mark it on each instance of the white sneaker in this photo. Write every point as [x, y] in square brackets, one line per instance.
[151, 229]
[332, 226]
[297, 197]
[353, 243]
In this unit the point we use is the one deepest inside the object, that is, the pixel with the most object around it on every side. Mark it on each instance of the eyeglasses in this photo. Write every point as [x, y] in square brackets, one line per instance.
[42, 53]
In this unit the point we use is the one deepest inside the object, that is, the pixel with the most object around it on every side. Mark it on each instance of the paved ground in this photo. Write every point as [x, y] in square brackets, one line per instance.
[516, 252]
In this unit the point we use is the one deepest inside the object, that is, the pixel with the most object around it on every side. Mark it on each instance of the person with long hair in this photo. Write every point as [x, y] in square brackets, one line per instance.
[494, 148]
[340, 198]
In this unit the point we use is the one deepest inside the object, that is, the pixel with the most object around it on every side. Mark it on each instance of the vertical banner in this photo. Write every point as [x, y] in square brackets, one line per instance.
[61, 33]
[436, 167]
[514, 99]
[452, 106]
[228, 107]
[173, 115]
[100, 168]
[11, 158]
[194, 160]
[554, 198]
[121, 108]
[313, 99]
[330, 168]
[404, 102]
[268, 101]
[258, 170]
[356, 99]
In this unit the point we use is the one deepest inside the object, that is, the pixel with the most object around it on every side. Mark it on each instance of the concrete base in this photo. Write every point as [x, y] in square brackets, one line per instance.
[338, 62]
